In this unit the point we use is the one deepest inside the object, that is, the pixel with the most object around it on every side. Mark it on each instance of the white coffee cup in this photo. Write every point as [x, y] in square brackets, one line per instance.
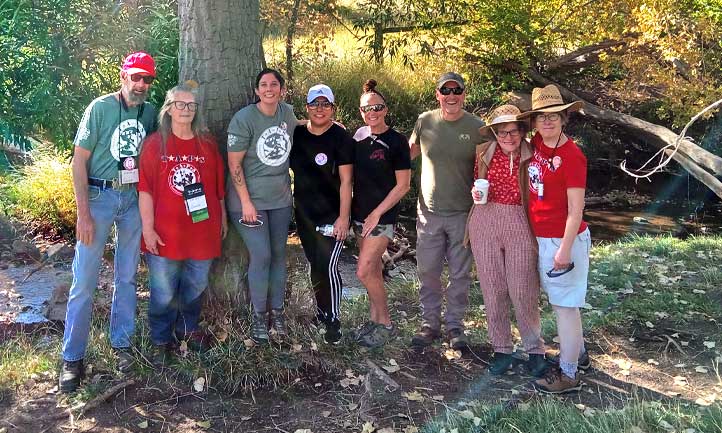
[482, 186]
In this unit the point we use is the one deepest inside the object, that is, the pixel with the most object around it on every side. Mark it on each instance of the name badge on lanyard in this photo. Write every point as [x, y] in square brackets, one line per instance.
[195, 199]
[128, 170]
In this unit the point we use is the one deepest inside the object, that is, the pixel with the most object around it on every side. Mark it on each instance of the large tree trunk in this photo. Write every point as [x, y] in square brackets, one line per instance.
[220, 48]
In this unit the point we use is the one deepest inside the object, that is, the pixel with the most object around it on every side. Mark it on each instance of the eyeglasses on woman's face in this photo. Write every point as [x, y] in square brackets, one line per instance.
[552, 117]
[514, 133]
[319, 105]
[372, 107]
[182, 105]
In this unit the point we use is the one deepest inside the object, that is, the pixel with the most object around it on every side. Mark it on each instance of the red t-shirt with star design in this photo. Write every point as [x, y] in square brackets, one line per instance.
[163, 175]
[556, 171]
[503, 179]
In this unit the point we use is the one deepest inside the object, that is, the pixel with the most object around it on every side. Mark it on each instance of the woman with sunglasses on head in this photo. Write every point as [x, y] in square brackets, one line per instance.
[502, 242]
[382, 174]
[557, 181]
[181, 201]
[259, 196]
[321, 161]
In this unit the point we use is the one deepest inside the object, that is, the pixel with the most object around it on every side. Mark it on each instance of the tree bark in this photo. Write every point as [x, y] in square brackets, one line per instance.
[220, 48]
[290, 33]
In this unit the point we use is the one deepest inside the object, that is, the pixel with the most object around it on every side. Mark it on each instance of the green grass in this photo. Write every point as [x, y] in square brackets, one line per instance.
[551, 415]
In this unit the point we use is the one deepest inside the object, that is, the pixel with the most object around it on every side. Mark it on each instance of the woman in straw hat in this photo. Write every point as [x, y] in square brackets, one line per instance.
[504, 247]
[557, 180]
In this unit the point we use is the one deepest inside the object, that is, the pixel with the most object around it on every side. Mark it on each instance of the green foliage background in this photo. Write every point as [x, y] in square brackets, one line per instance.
[58, 55]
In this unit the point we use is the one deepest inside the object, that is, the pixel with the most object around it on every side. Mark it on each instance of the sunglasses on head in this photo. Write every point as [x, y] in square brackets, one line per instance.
[374, 107]
[323, 105]
[147, 79]
[449, 90]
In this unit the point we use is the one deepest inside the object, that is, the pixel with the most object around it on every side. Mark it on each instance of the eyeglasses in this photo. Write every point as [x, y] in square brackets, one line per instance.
[552, 117]
[181, 105]
[503, 134]
[325, 105]
[449, 90]
[374, 107]
[147, 79]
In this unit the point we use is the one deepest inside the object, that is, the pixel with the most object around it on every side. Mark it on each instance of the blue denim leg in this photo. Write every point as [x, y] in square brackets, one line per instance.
[164, 276]
[176, 287]
[127, 255]
[193, 282]
[86, 265]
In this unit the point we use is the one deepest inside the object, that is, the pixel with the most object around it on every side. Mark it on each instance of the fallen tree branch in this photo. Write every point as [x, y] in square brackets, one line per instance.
[385, 378]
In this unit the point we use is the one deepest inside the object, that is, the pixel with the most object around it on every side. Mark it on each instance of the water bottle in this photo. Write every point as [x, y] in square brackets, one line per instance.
[326, 230]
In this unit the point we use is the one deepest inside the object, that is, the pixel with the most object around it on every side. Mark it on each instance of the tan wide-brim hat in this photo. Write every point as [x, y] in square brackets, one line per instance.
[549, 100]
[499, 115]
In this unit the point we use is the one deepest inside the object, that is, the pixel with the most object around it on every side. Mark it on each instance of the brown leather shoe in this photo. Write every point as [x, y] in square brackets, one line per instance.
[556, 382]
[425, 336]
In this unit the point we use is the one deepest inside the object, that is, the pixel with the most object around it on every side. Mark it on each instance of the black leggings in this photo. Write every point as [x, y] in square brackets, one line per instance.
[322, 253]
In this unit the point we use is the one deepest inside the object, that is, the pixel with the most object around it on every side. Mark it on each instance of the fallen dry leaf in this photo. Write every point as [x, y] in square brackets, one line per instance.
[249, 343]
[368, 427]
[414, 396]
[199, 384]
[203, 424]
[303, 430]
[652, 361]
[452, 354]
[709, 344]
[411, 429]
[649, 324]
[326, 413]
[437, 397]
[296, 348]
[680, 381]
[143, 424]
[466, 413]
[701, 369]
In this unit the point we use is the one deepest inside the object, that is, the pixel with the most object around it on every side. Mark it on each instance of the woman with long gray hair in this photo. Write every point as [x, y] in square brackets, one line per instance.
[181, 200]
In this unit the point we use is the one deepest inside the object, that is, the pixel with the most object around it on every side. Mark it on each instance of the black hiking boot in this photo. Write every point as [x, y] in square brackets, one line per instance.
[70, 375]
[537, 365]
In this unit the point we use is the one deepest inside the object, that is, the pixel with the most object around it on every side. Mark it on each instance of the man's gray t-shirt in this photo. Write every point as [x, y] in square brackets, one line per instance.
[267, 141]
[448, 150]
[110, 130]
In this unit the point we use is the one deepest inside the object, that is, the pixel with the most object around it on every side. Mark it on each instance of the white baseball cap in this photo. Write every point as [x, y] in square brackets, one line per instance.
[320, 90]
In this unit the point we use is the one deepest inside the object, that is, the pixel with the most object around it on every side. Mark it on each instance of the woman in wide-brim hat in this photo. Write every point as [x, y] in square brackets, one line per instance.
[557, 181]
[503, 244]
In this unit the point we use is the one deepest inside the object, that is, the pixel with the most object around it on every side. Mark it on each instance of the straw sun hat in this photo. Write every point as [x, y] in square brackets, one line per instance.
[549, 100]
[501, 114]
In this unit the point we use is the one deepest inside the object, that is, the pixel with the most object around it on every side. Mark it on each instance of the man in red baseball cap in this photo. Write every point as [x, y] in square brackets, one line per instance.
[105, 174]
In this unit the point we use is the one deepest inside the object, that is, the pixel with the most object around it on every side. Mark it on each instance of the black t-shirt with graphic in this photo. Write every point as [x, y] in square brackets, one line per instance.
[315, 160]
[376, 160]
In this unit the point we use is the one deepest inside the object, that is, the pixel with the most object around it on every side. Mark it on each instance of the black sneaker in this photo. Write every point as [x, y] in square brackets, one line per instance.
[333, 332]
[125, 359]
[584, 363]
[425, 337]
[537, 365]
[259, 328]
[70, 375]
[500, 363]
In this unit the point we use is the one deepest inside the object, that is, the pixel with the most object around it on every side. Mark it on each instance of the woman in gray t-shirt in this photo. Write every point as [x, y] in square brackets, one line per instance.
[259, 196]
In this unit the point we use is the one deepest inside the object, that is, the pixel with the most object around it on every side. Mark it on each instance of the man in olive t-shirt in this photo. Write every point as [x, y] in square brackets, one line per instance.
[105, 173]
[446, 139]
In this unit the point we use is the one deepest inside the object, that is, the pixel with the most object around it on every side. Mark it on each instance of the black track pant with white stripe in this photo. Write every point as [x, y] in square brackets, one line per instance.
[322, 253]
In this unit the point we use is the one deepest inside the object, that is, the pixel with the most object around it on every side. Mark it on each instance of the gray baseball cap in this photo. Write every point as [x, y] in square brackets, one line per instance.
[450, 76]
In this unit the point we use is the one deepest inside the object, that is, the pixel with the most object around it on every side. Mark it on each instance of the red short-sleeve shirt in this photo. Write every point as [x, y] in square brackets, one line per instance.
[163, 175]
[554, 172]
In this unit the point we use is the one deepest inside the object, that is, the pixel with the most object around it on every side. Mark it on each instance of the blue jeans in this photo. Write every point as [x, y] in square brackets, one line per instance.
[267, 257]
[176, 289]
[107, 207]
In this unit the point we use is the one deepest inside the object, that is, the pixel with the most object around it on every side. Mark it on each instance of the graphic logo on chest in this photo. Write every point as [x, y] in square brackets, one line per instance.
[273, 146]
[535, 176]
[321, 159]
[182, 175]
[126, 139]
[377, 155]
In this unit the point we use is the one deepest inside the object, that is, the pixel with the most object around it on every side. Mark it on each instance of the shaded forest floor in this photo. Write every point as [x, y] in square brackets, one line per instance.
[652, 328]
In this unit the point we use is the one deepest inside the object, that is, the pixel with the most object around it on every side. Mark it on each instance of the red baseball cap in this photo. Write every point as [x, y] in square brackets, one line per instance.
[139, 63]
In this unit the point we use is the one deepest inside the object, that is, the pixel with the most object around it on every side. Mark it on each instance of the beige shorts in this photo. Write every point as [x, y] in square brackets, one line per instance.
[570, 289]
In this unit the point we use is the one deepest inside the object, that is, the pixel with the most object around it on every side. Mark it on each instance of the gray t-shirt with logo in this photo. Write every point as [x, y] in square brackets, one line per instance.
[448, 150]
[267, 141]
[110, 131]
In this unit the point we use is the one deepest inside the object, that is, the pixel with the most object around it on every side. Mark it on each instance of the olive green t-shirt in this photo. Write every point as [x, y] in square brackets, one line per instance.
[267, 141]
[448, 150]
[110, 130]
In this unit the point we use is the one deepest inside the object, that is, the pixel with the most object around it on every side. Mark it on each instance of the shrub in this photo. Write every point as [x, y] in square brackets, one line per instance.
[41, 193]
